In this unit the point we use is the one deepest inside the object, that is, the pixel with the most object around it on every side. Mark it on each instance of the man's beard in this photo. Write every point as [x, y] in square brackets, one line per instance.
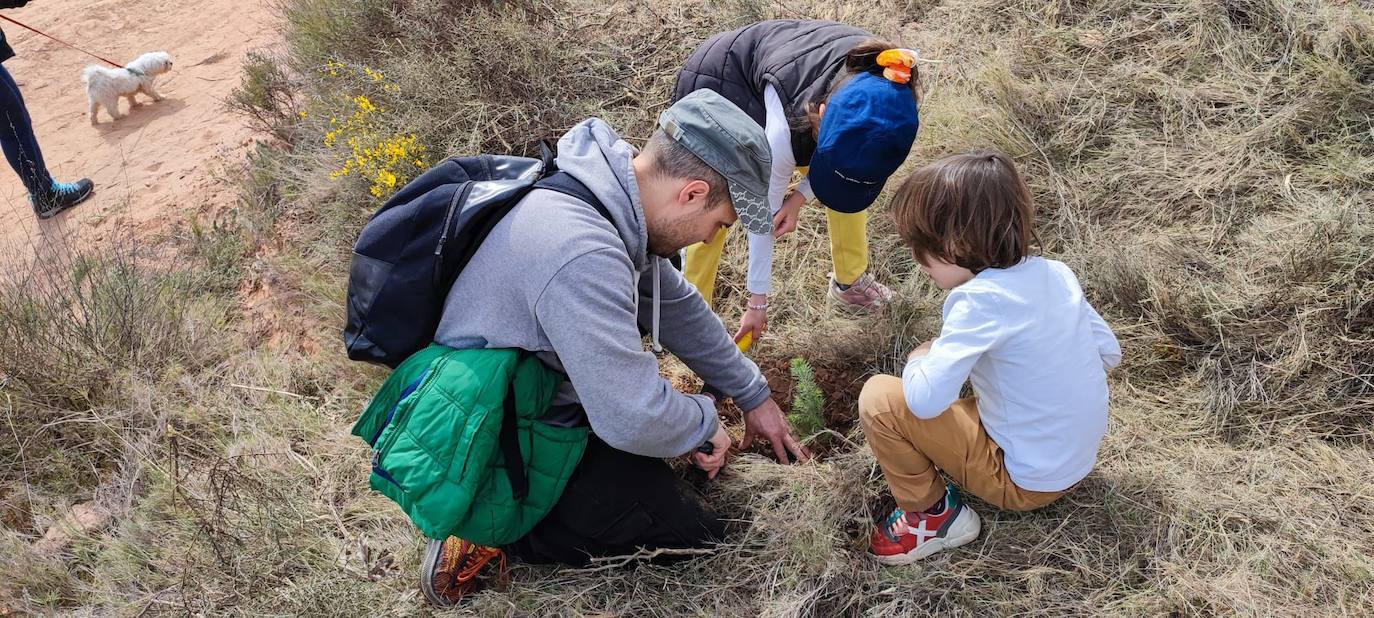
[663, 249]
[668, 241]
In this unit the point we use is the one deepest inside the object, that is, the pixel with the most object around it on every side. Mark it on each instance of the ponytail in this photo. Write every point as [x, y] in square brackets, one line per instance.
[863, 58]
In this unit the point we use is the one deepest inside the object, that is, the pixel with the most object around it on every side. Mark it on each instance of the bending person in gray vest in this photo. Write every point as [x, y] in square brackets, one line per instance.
[558, 278]
[839, 108]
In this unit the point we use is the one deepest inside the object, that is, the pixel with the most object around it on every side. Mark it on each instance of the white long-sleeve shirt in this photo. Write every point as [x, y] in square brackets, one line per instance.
[779, 133]
[1037, 353]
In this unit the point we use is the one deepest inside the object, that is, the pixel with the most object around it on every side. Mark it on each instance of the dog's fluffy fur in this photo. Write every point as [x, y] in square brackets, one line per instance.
[105, 86]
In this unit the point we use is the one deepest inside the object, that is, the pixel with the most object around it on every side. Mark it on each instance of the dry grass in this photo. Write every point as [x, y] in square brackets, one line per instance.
[1206, 167]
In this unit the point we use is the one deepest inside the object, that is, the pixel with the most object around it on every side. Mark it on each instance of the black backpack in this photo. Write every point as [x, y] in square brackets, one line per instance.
[411, 251]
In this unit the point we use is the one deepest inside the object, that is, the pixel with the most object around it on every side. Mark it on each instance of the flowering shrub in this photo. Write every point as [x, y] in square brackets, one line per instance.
[376, 153]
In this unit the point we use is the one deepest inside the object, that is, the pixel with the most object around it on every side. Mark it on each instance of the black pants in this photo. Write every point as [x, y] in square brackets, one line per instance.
[614, 504]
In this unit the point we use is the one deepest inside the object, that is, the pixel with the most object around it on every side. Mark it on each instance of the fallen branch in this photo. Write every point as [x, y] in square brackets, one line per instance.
[272, 390]
[615, 562]
[852, 444]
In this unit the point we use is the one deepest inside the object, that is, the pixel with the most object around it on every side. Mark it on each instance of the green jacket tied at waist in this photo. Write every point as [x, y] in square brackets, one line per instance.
[435, 429]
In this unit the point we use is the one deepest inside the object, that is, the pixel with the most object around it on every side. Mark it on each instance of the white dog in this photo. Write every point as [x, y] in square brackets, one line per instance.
[105, 86]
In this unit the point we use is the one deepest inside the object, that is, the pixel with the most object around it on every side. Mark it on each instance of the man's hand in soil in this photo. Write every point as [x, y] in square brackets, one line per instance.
[713, 462]
[767, 422]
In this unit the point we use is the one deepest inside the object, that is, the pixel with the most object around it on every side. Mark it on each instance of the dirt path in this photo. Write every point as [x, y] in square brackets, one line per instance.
[160, 164]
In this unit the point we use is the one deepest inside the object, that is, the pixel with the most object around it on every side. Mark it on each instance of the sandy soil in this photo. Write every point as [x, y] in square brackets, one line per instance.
[165, 161]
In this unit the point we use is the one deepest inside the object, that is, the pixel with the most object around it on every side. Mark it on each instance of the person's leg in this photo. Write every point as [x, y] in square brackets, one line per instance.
[702, 263]
[617, 503]
[17, 139]
[911, 475]
[910, 449]
[851, 283]
[48, 196]
[848, 244]
[930, 515]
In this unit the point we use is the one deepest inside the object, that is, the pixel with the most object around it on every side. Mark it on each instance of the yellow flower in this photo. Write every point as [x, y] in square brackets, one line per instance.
[381, 157]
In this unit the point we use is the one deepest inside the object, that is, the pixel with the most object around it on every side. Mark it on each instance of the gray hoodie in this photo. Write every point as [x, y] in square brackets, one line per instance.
[555, 277]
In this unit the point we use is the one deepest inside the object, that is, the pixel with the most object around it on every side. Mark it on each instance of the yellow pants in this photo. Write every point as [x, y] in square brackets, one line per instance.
[848, 251]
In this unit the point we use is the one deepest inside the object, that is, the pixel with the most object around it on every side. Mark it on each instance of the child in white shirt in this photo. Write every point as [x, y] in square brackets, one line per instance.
[1019, 328]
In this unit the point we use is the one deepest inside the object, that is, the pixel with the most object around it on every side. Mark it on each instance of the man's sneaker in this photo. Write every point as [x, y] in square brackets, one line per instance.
[62, 196]
[908, 537]
[865, 294]
[450, 570]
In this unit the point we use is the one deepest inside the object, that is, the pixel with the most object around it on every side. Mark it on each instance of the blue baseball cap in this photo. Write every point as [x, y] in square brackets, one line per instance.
[866, 134]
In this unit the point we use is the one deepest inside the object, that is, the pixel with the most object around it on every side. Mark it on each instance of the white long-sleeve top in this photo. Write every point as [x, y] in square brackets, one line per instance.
[779, 133]
[1037, 353]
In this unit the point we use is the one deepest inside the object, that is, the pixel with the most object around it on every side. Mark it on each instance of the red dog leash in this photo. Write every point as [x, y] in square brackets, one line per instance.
[35, 30]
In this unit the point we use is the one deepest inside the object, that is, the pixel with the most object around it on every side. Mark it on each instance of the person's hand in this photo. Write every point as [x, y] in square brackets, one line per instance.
[767, 422]
[921, 350]
[755, 320]
[785, 221]
[720, 447]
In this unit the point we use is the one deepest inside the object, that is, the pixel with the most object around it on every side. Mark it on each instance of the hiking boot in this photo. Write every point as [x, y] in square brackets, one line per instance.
[907, 537]
[62, 196]
[449, 572]
[865, 294]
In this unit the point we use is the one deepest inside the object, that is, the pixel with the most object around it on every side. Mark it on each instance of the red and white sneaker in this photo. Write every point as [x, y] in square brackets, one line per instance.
[908, 537]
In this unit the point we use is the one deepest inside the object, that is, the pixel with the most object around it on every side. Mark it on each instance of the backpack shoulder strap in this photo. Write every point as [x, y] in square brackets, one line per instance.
[564, 183]
[509, 438]
[509, 441]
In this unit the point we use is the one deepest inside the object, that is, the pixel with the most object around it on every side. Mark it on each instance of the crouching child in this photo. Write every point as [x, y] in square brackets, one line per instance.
[1017, 327]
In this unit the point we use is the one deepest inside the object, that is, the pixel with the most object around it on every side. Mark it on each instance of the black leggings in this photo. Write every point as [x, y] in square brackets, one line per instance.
[615, 504]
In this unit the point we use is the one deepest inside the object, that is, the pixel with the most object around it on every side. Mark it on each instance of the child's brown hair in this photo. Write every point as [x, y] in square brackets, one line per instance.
[970, 209]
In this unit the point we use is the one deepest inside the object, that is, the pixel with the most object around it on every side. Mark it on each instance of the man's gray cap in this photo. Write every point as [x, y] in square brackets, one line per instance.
[725, 138]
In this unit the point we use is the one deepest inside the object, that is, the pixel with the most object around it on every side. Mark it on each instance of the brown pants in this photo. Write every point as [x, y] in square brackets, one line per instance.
[909, 449]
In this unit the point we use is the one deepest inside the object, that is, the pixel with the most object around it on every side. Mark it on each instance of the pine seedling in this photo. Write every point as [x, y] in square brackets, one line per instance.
[808, 402]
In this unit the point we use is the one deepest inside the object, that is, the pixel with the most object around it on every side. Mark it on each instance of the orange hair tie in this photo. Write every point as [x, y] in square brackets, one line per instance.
[897, 64]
